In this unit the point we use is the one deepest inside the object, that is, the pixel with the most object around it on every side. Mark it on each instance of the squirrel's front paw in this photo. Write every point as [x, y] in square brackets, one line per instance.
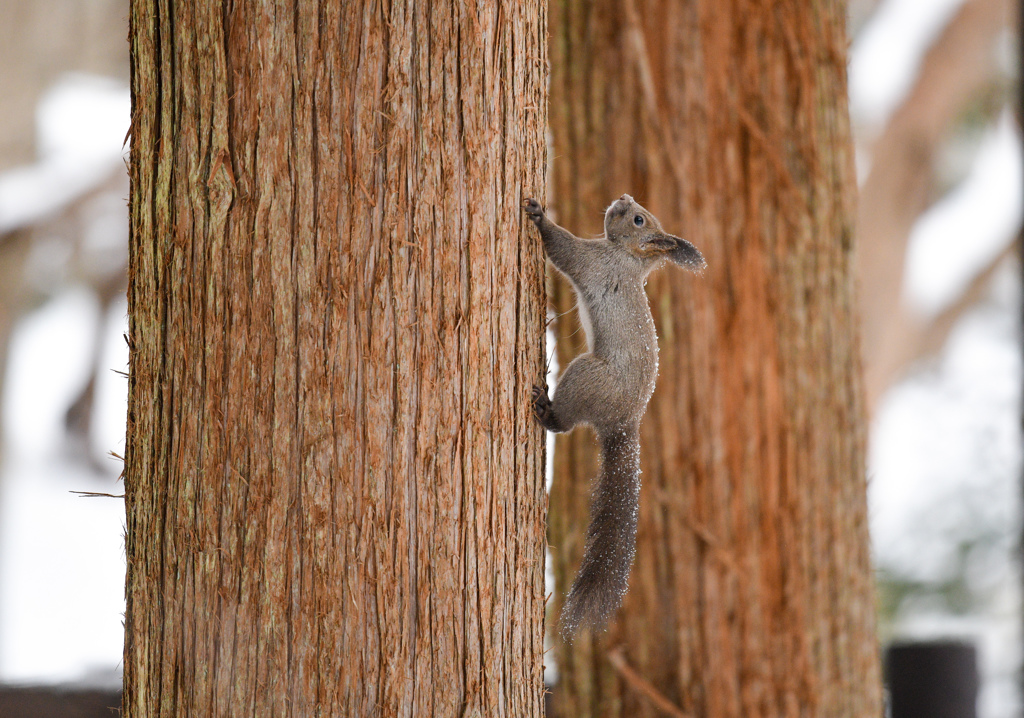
[533, 209]
[543, 410]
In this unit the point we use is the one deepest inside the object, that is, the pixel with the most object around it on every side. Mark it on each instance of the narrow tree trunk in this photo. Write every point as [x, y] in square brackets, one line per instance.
[334, 490]
[752, 591]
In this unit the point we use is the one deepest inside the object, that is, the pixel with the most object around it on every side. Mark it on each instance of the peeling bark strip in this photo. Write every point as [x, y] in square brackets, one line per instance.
[752, 591]
[335, 498]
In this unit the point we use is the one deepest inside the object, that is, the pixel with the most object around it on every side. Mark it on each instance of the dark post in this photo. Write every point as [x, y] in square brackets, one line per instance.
[934, 679]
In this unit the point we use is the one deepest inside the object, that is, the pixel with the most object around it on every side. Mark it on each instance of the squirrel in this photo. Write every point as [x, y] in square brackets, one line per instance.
[609, 386]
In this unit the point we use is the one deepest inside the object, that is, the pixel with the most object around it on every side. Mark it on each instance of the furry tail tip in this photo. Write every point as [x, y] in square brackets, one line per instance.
[610, 546]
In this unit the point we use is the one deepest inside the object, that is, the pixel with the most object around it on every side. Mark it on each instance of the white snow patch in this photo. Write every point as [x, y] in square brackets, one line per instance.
[82, 123]
[964, 231]
[47, 365]
[887, 52]
[61, 555]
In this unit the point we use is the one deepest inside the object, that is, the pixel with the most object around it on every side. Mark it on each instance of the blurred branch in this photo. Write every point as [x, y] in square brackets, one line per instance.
[644, 687]
[899, 185]
[932, 336]
[925, 338]
[74, 191]
[107, 279]
[78, 419]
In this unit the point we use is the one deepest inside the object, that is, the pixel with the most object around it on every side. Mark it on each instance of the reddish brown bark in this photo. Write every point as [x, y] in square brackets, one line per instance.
[752, 590]
[334, 495]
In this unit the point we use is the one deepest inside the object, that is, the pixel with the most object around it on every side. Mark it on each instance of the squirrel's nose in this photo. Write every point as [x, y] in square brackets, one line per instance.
[626, 198]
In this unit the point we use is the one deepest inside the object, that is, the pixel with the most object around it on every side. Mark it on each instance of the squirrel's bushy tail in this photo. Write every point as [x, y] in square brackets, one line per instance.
[611, 536]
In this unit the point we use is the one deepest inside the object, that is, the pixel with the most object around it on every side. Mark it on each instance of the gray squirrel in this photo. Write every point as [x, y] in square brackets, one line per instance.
[608, 387]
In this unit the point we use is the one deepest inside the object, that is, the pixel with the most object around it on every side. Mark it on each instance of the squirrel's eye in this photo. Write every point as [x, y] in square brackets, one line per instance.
[638, 220]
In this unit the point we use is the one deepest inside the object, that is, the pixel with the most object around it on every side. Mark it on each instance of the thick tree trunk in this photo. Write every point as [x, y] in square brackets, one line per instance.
[334, 490]
[752, 591]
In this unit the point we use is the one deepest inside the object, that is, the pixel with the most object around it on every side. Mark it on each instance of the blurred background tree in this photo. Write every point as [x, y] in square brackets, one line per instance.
[752, 592]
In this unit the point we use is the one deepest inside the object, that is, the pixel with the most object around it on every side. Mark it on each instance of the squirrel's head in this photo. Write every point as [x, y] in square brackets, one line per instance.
[639, 232]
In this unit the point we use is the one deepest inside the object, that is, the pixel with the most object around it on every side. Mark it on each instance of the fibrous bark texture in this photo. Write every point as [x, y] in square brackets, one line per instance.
[752, 592]
[335, 503]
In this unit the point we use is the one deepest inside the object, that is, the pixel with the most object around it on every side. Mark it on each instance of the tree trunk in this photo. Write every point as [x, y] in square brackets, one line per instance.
[752, 592]
[335, 502]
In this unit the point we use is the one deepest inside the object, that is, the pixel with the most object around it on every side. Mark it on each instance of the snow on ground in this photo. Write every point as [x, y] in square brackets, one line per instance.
[945, 448]
[945, 464]
[61, 555]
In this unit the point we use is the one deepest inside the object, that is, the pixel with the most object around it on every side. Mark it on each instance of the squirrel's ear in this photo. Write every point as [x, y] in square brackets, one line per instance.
[663, 242]
[682, 252]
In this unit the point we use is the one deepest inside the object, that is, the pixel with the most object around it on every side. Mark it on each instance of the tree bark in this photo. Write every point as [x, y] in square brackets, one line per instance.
[752, 591]
[334, 492]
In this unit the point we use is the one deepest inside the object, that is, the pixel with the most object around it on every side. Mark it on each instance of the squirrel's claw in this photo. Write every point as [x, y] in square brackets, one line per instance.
[543, 410]
[533, 209]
